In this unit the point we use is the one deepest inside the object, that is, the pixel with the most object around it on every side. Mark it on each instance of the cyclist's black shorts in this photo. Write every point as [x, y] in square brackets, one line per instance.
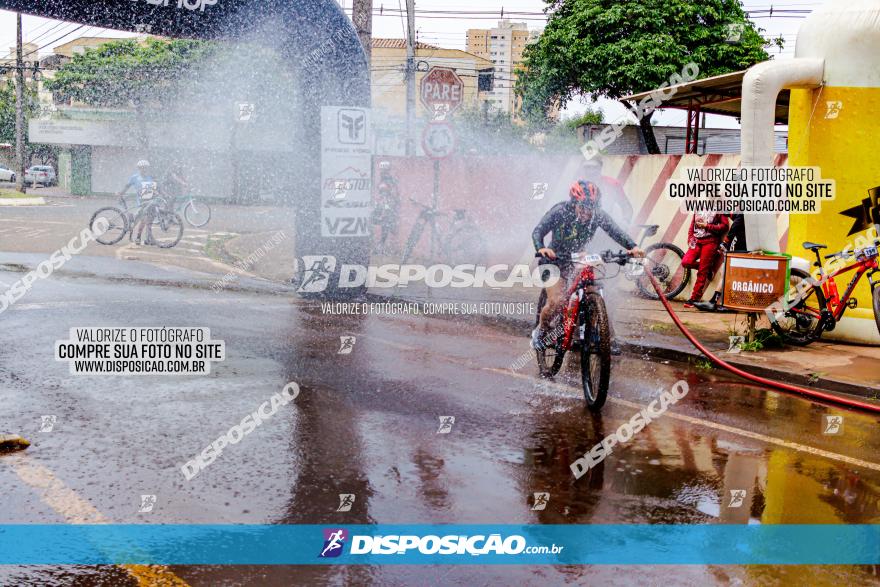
[566, 270]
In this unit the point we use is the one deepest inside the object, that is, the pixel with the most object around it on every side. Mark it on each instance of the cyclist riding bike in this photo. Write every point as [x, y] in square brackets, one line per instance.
[573, 224]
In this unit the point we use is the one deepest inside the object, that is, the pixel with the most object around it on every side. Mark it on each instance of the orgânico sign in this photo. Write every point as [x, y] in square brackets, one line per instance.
[442, 88]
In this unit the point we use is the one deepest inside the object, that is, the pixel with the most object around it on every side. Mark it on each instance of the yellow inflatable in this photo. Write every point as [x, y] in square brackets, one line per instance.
[837, 127]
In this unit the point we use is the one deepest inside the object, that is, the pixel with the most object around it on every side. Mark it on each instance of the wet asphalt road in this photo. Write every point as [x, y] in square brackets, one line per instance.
[366, 423]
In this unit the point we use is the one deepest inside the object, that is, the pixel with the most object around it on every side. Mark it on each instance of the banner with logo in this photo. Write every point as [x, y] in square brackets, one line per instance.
[346, 172]
[458, 544]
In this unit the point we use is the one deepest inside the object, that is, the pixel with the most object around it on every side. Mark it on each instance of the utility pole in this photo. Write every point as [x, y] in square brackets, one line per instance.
[362, 17]
[19, 110]
[410, 75]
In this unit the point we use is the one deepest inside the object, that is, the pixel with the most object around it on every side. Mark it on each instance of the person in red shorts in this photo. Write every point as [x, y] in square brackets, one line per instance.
[706, 233]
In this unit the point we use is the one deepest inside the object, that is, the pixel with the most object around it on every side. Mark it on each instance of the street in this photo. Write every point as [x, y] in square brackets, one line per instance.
[539, 293]
[366, 423]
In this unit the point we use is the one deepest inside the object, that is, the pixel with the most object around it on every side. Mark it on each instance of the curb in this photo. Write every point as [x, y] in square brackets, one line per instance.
[523, 327]
[22, 202]
[271, 287]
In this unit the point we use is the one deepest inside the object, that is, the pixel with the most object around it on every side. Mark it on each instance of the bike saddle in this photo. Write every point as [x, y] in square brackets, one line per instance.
[650, 229]
[814, 246]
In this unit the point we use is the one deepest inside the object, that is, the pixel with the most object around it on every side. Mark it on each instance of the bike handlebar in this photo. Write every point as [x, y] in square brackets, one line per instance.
[620, 258]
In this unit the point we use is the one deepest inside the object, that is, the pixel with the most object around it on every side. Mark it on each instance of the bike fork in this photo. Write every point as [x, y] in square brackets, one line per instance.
[570, 317]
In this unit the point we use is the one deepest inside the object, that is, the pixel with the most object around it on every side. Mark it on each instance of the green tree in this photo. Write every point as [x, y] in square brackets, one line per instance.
[126, 73]
[129, 74]
[7, 113]
[612, 48]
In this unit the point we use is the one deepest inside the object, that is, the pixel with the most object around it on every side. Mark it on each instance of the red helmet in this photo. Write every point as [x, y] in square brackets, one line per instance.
[585, 193]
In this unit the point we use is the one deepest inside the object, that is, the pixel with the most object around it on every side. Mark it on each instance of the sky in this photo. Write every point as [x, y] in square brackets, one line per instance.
[449, 30]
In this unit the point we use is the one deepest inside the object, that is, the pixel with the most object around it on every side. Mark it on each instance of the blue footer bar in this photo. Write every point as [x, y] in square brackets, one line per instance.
[480, 544]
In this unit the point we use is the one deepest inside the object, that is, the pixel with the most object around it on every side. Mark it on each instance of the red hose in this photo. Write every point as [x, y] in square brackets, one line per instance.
[811, 393]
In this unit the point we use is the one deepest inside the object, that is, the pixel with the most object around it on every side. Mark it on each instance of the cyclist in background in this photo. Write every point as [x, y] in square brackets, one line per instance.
[137, 181]
[572, 224]
[174, 185]
[614, 200]
[386, 213]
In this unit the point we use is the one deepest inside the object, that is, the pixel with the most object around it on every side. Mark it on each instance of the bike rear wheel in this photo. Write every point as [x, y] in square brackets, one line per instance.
[551, 353]
[198, 214]
[800, 324]
[168, 231]
[663, 261]
[876, 296]
[595, 351]
[118, 224]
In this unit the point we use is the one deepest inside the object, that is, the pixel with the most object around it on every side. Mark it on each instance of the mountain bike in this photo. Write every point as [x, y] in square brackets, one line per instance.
[583, 325]
[663, 261]
[166, 228]
[818, 306]
[195, 211]
[460, 243]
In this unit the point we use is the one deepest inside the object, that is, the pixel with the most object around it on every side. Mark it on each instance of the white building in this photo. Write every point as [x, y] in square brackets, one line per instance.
[504, 46]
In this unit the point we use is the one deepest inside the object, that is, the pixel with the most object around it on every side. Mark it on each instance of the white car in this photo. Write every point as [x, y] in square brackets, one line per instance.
[40, 174]
[7, 174]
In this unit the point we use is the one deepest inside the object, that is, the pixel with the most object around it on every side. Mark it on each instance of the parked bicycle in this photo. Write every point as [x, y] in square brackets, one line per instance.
[663, 261]
[583, 325]
[166, 229]
[818, 308]
[460, 243]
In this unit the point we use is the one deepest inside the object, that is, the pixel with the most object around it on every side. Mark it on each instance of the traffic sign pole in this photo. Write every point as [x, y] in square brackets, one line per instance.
[441, 93]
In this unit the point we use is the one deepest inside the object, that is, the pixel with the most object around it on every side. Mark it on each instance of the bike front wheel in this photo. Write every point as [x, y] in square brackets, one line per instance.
[114, 220]
[595, 351]
[197, 214]
[551, 352]
[168, 231]
[663, 261]
[801, 323]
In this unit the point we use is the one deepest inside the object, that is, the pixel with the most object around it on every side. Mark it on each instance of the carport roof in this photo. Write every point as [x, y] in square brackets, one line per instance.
[721, 94]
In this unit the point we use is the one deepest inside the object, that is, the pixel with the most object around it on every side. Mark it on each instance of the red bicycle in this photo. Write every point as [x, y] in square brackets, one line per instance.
[583, 325]
[818, 307]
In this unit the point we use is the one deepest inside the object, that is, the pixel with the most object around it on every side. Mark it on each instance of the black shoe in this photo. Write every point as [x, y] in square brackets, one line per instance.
[711, 305]
[615, 348]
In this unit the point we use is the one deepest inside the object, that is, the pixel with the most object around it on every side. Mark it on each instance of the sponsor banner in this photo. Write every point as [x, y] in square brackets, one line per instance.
[346, 172]
[711, 544]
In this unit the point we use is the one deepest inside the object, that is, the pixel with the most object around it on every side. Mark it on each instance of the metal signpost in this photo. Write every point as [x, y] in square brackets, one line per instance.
[442, 93]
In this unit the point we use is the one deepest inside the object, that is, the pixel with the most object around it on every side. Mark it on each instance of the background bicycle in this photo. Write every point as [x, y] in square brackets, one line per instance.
[195, 211]
[166, 228]
[663, 261]
[817, 307]
[458, 242]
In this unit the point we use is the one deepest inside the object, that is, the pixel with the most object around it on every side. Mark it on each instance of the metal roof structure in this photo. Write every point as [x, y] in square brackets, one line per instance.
[721, 94]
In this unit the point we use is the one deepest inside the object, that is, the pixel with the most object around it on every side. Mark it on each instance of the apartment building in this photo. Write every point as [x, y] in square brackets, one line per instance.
[504, 46]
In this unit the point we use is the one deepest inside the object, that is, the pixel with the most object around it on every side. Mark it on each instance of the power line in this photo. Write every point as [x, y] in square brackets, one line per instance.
[56, 39]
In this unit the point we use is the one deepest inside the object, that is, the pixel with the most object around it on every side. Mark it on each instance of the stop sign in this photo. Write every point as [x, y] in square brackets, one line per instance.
[442, 90]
